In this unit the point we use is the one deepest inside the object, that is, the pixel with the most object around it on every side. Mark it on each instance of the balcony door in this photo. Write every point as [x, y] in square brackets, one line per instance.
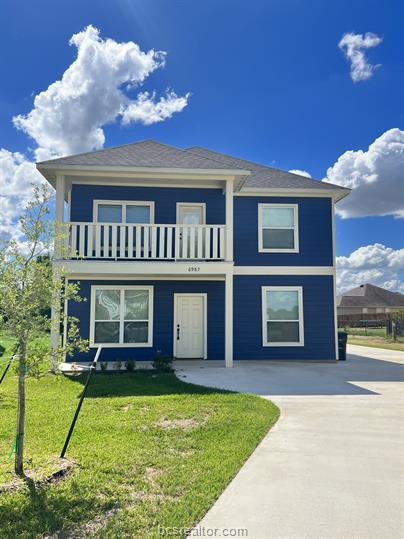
[189, 214]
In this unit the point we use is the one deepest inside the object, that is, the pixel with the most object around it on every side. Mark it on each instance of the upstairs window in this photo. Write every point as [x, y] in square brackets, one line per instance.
[278, 228]
[282, 316]
[122, 315]
[109, 211]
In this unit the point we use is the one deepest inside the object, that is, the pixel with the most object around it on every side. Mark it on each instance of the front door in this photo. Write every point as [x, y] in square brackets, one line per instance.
[189, 330]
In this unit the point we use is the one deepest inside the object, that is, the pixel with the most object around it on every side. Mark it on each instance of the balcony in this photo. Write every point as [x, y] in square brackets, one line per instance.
[112, 241]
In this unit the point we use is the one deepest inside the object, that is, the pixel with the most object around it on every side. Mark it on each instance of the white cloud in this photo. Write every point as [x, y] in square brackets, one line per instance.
[17, 175]
[375, 264]
[68, 117]
[376, 177]
[147, 110]
[301, 172]
[353, 46]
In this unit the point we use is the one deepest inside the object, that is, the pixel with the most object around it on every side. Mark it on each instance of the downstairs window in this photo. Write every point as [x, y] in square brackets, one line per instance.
[121, 315]
[282, 316]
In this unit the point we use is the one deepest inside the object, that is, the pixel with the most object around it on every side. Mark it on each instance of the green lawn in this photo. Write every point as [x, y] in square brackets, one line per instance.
[368, 332]
[377, 342]
[150, 450]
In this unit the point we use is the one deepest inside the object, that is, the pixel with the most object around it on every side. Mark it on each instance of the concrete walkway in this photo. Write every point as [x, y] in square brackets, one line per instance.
[333, 465]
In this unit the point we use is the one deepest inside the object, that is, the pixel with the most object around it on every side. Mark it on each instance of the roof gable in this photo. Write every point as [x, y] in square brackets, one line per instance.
[370, 295]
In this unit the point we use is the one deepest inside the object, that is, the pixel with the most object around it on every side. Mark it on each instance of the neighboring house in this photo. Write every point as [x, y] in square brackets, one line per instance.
[197, 254]
[369, 300]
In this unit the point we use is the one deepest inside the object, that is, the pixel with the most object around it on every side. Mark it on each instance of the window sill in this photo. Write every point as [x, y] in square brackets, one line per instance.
[262, 250]
[282, 344]
[121, 345]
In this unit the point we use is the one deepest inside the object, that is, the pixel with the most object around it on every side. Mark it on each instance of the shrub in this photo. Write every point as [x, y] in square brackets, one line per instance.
[130, 365]
[117, 365]
[162, 363]
[104, 366]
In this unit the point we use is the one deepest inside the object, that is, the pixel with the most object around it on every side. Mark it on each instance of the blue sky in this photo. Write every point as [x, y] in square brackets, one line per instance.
[267, 82]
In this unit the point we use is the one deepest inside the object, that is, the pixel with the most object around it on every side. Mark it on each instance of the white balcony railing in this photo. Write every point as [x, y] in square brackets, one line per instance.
[161, 242]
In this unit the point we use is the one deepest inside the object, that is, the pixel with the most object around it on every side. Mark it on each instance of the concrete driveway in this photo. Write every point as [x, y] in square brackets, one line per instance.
[333, 465]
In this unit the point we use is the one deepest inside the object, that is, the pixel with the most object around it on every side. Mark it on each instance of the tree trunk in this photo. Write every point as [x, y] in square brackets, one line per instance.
[19, 450]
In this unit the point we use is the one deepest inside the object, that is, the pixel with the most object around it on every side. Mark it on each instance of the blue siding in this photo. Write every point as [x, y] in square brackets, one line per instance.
[162, 318]
[315, 233]
[165, 199]
[319, 336]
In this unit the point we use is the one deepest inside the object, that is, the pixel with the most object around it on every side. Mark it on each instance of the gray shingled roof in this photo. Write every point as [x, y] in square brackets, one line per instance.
[369, 295]
[149, 153]
[146, 153]
[263, 176]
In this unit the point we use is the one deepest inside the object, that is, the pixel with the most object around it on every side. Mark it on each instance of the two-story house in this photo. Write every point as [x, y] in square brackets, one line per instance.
[196, 254]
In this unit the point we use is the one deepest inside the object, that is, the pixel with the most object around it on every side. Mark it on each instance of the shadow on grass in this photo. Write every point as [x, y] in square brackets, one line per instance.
[45, 512]
[139, 384]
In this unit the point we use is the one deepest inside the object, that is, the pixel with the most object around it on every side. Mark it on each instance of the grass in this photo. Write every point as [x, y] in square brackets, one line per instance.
[376, 342]
[374, 337]
[367, 332]
[151, 450]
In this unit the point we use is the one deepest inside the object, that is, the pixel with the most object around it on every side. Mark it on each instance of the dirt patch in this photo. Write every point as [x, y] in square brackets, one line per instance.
[60, 469]
[143, 496]
[127, 407]
[151, 474]
[89, 529]
[178, 423]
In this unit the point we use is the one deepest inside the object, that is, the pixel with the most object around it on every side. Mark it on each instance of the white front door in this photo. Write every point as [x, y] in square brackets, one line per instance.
[189, 330]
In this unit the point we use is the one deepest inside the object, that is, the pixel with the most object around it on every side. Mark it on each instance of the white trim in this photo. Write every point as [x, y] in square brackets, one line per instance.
[69, 204]
[122, 289]
[205, 320]
[284, 270]
[132, 171]
[228, 300]
[192, 204]
[143, 277]
[337, 194]
[299, 290]
[123, 203]
[183, 184]
[334, 280]
[229, 220]
[261, 227]
[96, 268]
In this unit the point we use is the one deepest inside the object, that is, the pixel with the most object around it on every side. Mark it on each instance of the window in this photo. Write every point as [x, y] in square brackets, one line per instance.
[109, 211]
[278, 228]
[121, 316]
[282, 316]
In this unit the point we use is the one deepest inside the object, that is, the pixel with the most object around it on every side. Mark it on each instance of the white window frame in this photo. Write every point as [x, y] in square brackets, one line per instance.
[121, 320]
[123, 203]
[299, 290]
[261, 228]
[194, 204]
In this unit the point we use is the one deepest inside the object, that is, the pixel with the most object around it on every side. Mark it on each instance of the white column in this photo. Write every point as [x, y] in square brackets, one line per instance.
[229, 320]
[334, 278]
[55, 308]
[59, 211]
[229, 219]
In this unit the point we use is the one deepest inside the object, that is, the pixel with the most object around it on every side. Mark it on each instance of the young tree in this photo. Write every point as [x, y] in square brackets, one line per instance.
[27, 287]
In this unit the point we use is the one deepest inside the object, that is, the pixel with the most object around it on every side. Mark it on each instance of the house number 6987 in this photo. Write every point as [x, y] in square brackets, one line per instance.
[194, 268]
